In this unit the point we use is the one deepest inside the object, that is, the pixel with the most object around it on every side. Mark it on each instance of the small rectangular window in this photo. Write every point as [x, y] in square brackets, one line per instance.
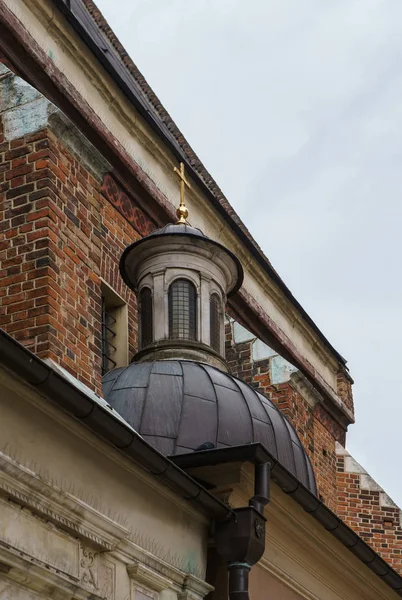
[182, 310]
[114, 330]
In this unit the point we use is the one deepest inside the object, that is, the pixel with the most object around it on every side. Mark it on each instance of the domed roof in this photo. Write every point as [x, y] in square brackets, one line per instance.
[133, 255]
[178, 405]
[178, 228]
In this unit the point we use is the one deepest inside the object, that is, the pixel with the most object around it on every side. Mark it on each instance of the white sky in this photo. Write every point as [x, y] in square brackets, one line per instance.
[296, 110]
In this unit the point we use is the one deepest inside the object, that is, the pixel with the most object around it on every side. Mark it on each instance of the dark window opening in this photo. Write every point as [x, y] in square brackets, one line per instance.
[182, 310]
[215, 322]
[146, 317]
[108, 338]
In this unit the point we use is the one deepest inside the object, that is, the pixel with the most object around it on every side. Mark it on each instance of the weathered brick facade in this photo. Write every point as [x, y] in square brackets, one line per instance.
[62, 233]
[342, 483]
[289, 390]
[365, 507]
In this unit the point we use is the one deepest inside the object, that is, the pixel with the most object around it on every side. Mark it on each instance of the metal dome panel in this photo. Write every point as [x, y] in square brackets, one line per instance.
[178, 405]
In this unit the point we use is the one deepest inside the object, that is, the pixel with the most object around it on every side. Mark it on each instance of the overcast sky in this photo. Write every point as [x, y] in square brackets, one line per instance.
[296, 110]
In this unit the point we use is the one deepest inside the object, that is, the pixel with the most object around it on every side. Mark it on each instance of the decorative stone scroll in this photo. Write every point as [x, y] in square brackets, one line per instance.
[89, 568]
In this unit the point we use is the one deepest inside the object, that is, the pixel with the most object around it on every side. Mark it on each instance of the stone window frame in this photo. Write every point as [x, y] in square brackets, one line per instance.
[141, 343]
[118, 309]
[215, 329]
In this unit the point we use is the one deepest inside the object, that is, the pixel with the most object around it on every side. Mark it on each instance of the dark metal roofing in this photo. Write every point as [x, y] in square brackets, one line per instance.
[178, 228]
[178, 405]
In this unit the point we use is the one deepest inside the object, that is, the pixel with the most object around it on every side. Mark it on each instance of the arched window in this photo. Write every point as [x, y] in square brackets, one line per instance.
[215, 322]
[182, 310]
[146, 317]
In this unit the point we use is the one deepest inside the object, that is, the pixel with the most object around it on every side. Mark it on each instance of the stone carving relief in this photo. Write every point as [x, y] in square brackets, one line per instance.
[107, 580]
[89, 568]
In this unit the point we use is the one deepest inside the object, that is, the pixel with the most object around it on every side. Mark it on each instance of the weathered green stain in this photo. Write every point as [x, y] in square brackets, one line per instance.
[23, 108]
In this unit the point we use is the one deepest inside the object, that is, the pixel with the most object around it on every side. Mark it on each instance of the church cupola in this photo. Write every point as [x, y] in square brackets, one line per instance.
[177, 393]
[182, 279]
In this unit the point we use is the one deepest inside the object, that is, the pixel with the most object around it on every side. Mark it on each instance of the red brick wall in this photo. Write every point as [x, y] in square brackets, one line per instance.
[344, 389]
[365, 512]
[317, 430]
[60, 233]
[324, 463]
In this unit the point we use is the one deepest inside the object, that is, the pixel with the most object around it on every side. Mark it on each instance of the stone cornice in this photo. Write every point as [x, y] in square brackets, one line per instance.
[64, 510]
[342, 415]
[148, 577]
[304, 556]
[40, 579]
[186, 585]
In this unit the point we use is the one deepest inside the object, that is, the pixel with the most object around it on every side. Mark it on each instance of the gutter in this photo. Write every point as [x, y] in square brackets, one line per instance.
[258, 455]
[83, 23]
[100, 419]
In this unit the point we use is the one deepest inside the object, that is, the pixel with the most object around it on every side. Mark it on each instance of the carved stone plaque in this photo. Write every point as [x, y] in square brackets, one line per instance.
[89, 568]
[107, 579]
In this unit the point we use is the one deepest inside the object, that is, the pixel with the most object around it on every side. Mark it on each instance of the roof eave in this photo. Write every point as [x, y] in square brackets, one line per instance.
[48, 382]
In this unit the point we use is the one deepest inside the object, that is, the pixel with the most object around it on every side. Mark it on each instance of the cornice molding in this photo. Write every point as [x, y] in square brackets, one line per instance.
[187, 586]
[337, 409]
[149, 577]
[63, 509]
[320, 544]
[40, 578]
[41, 402]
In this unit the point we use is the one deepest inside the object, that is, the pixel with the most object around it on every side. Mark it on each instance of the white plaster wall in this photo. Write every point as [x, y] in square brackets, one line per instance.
[66, 456]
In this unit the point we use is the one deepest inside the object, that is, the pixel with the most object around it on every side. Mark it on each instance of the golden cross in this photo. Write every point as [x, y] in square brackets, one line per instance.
[182, 212]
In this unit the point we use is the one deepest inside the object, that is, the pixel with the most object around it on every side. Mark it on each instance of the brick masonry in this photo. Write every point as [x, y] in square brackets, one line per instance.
[367, 509]
[64, 225]
[287, 388]
[342, 483]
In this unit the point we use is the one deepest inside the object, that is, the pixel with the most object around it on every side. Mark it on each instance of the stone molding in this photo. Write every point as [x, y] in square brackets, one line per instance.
[302, 555]
[187, 586]
[60, 515]
[39, 579]
[63, 509]
[302, 386]
[337, 409]
[281, 371]
[147, 576]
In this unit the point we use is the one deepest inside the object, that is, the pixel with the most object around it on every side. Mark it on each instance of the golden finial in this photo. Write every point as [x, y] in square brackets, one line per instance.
[182, 212]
